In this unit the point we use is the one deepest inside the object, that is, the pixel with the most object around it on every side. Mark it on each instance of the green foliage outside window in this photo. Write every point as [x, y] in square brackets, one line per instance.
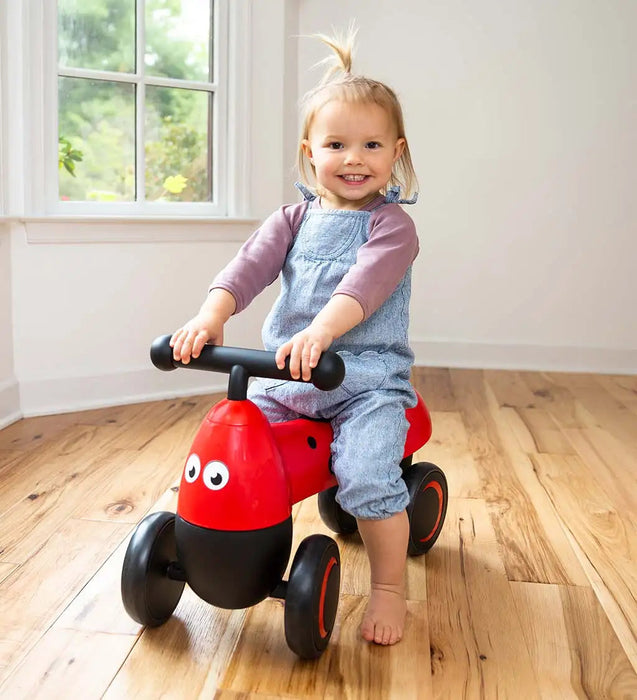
[68, 156]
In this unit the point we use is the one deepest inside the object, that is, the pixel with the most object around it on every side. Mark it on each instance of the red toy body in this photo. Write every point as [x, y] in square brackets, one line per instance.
[235, 444]
[232, 535]
[263, 469]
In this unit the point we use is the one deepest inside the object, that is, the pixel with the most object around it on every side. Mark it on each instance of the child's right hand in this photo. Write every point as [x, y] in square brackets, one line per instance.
[205, 327]
[189, 340]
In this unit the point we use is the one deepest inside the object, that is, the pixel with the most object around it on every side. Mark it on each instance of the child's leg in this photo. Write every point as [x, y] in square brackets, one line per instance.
[369, 435]
[386, 545]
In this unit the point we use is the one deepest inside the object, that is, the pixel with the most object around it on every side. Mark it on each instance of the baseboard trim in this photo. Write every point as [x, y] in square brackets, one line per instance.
[9, 402]
[436, 353]
[49, 396]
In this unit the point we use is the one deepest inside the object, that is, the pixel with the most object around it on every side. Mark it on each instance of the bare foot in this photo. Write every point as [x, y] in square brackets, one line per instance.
[384, 619]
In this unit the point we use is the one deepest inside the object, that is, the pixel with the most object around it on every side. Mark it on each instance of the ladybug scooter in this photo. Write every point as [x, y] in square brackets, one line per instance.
[231, 538]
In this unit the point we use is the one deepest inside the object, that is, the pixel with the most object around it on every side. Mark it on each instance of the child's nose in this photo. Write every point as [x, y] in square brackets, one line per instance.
[353, 156]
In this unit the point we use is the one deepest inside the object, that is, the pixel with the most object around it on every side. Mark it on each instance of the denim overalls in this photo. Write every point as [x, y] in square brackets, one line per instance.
[367, 411]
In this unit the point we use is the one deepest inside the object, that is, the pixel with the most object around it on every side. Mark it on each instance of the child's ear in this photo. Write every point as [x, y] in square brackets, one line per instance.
[399, 148]
[307, 149]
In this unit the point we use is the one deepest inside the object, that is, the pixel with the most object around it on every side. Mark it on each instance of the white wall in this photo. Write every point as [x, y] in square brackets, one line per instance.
[9, 398]
[84, 314]
[521, 117]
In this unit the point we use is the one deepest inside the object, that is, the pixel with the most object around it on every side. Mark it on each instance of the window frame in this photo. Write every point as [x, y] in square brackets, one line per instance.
[231, 23]
[3, 135]
[217, 86]
[12, 158]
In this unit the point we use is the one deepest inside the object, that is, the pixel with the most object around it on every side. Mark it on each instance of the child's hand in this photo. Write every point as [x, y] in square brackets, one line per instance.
[305, 350]
[339, 315]
[205, 327]
[189, 340]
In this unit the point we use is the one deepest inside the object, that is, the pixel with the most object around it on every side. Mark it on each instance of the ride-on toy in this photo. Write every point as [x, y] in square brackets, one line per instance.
[232, 535]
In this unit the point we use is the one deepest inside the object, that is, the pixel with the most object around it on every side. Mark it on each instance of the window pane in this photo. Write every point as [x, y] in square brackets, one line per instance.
[178, 39]
[97, 34]
[96, 140]
[178, 145]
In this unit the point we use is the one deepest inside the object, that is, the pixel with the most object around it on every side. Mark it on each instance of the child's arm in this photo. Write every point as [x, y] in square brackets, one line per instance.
[256, 265]
[339, 315]
[206, 326]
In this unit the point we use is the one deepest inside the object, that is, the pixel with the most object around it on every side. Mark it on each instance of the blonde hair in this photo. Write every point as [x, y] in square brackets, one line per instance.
[339, 83]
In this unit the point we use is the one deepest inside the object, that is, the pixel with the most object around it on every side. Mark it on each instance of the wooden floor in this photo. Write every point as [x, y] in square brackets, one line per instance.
[530, 591]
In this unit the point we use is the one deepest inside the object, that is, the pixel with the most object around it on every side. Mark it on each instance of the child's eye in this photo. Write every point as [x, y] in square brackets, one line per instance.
[335, 145]
[373, 145]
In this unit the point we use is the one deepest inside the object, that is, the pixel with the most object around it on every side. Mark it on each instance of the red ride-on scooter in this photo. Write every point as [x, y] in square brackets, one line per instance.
[231, 537]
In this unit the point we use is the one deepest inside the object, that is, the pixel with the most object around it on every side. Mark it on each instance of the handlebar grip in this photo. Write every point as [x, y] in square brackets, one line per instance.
[327, 375]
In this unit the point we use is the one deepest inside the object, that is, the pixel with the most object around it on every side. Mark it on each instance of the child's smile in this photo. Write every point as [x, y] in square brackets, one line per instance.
[353, 147]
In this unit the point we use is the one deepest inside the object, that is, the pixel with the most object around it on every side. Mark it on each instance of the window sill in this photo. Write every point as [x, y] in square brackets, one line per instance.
[128, 229]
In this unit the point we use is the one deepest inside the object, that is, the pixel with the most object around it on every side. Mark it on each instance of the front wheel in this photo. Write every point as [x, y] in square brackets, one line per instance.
[427, 507]
[149, 595]
[311, 598]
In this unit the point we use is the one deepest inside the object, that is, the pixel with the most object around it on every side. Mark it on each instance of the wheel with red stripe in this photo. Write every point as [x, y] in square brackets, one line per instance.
[427, 507]
[311, 598]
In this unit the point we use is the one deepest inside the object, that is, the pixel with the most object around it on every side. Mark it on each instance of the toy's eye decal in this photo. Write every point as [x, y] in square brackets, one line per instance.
[192, 469]
[216, 475]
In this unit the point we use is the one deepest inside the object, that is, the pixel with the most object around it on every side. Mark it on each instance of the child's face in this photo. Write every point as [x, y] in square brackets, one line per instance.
[353, 147]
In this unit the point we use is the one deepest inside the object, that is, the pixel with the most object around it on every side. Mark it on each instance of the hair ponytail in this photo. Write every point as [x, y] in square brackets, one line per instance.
[343, 48]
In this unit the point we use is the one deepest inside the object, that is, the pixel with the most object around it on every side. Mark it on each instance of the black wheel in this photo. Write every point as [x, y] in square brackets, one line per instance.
[427, 507]
[148, 594]
[311, 597]
[333, 515]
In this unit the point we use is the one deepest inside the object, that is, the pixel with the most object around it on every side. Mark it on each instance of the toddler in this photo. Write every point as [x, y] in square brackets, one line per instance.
[344, 255]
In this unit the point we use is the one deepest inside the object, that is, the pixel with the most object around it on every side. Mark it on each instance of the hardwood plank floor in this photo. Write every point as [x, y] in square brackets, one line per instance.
[530, 592]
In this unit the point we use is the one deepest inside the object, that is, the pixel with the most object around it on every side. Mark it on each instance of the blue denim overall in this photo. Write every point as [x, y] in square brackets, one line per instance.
[367, 411]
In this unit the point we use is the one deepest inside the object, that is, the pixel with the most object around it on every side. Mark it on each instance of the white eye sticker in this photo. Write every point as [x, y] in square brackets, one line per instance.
[192, 469]
[216, 475]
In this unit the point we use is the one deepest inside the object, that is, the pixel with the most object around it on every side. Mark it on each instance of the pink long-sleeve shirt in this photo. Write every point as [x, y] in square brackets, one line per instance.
[380, 265]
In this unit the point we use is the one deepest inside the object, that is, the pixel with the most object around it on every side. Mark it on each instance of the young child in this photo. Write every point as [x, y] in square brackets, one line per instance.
[345, 257]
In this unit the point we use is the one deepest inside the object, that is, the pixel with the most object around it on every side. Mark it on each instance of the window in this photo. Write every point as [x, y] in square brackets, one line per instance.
[141, 105]
[75, 72]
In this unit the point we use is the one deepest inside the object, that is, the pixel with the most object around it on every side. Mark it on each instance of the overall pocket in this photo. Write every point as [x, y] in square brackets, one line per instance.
[327, 235]
[365, 372]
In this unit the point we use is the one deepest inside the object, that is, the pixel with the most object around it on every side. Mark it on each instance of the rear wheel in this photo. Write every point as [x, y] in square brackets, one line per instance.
[333, 515]
[427, 507]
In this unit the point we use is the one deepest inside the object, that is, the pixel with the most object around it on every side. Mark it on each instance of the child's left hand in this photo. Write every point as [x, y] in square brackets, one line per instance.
[305, 350]
[339, 315]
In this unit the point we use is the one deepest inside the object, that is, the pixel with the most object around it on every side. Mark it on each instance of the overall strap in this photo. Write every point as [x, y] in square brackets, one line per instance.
[393, 197]
[307, 193]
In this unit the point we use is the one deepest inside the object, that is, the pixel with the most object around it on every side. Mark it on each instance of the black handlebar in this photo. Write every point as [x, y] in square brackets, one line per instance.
[327, 375]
